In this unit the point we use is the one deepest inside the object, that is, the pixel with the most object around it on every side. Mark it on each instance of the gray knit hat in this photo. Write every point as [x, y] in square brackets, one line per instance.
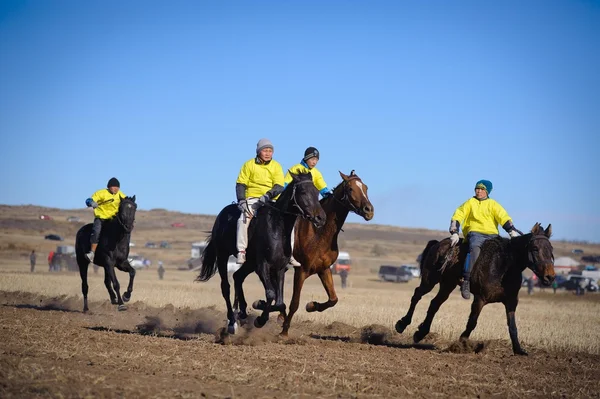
[262, 144]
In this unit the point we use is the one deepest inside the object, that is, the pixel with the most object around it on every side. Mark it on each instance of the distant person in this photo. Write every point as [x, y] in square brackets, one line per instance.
[161, 270]
[307, 164]
[554, 286]
[344, 277]
[530, 285]
[50, 259]
[480, 217]
[260, 181]
[32, 259]
[106, 203]
[582, 286]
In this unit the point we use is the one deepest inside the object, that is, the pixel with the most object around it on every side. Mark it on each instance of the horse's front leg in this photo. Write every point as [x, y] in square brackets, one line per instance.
[279, 300]
[127, 268]
[115, 283]
[445, 289]
[476, 306]
[238, 279]
[264, 273]
[425, 287]
[511, 307]
[299, 277]
[108, 285]
[327, 281]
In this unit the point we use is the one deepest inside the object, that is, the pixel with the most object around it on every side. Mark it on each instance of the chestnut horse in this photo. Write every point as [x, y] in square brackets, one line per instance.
[496, 277]
[317, 249]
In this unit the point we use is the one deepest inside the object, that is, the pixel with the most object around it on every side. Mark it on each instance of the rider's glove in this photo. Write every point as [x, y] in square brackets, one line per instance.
[453, 239]
[513, 233]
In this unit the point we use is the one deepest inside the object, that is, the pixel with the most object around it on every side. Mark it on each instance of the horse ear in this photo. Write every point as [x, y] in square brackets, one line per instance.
[549, 230]
[133, 198]
[344, 177]
[352, 173]
[294, 176]
[535, 229]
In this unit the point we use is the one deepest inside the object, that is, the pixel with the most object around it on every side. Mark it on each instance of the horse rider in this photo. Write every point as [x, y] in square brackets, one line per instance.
[479, 216]
[307, 164]
[260, 181]
[106, 203]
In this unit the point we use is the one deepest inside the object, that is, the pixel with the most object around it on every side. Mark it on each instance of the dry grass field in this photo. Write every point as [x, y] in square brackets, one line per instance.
[169, 342]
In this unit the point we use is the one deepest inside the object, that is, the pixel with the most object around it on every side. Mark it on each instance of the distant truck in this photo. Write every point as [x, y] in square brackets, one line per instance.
[343, 262]
[397, 274]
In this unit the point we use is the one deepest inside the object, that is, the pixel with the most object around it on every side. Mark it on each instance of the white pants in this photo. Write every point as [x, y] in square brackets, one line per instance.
[242, 226]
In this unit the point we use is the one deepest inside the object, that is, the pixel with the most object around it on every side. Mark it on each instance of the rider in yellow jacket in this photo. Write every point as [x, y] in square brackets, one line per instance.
[308, 164]
[106, 203]
[479, 217]
[260, 180]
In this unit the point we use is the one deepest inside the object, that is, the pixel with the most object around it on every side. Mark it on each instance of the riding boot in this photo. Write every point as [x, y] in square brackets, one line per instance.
[241, 258]
[465, 289]
[90, 255]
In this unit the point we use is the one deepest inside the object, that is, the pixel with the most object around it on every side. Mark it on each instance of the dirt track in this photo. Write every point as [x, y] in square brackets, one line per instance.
[49, 349]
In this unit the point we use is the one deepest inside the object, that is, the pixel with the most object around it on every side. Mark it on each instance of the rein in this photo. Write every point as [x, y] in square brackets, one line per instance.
[294, 203]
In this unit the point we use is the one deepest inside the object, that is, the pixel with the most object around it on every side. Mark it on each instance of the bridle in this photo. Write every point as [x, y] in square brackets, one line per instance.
[126, 228]
[530, 255]
[295, 203]
[345, 201]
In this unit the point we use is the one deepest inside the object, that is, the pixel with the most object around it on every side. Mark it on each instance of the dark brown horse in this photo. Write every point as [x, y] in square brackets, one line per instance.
[268, 247]
[496, 277]
[317, 249]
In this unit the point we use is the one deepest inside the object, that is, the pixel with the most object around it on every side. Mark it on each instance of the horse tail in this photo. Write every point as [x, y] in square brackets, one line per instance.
[426, 252]
[209, 261]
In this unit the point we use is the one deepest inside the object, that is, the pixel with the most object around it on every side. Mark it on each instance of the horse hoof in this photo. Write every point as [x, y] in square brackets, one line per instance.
[126, 297]
[114, 302]
[259, 322]
[232, 329]
[520, 352]
[121, 308]
[400, 326]
[258, 305]
[419, 335]
[311, 307]
[85, 310]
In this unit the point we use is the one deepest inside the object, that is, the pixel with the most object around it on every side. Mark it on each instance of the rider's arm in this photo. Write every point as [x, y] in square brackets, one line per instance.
[502, 218]
[459, 216]
[240, 191]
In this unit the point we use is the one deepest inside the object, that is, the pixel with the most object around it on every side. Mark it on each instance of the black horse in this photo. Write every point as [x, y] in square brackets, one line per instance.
[112, 251]
[269, 245]
[496, 277]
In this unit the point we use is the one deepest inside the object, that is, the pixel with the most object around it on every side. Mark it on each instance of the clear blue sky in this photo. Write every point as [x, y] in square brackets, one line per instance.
[422, 99]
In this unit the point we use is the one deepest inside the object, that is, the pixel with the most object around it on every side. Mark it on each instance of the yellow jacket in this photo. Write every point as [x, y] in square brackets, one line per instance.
[108, 204]
[480, 216]
[260, 177]
[303, 168]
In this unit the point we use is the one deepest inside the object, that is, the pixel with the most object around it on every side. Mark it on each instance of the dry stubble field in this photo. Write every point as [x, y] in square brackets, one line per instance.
[169, 343]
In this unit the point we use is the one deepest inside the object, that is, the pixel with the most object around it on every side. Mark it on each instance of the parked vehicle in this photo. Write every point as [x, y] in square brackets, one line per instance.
[136, 261]
[396, 274]
[177, 224]
[45, 217]
[73, 219]
[343, 262]
[577, 251]
[151, 244]
[164, 244]
[54, 237]
[573, 281]
[415, 270]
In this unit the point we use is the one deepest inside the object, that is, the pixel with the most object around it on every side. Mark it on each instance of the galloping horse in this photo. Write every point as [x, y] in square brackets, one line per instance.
[112, 251]
[268, 245]
[496, 277]
[317, 249]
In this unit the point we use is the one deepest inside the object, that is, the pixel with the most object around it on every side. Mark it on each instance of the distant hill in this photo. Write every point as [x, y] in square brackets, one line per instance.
[370, 245]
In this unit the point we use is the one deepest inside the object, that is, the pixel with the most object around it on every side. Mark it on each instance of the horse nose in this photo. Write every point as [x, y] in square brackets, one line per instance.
[368, 212]
[319, 220]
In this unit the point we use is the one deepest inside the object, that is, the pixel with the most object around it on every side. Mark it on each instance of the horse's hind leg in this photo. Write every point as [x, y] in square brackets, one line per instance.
[476, 307]
[264, 273]
[299, 277]
[441, 297]
[424, 288]
[327, 281]
[108, 285]
[511, 307]
[226, 292]
[279, 300]
[83, 269]
[127, 268]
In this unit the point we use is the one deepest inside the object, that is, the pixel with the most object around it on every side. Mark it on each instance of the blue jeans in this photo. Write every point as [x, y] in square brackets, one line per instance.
[475, 240]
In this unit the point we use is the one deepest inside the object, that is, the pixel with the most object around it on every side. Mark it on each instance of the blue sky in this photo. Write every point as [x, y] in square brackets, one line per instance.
[422, 99]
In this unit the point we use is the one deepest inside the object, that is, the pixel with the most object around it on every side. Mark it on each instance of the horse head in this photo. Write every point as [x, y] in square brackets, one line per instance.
[540, 257]
[305, 197]
[126, 214]
[355, 196]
